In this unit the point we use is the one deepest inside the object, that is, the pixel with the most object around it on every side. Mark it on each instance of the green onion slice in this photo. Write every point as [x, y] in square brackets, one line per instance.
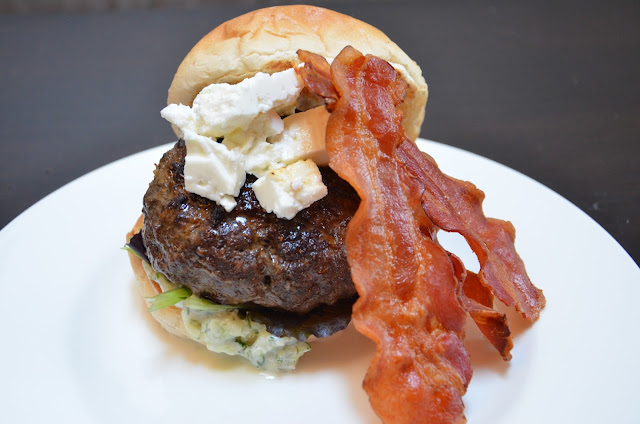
[200, 304]
[168, 298]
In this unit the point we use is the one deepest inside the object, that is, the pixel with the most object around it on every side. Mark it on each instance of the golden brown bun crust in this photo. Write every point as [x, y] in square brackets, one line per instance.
[266, 40]
[170, 318]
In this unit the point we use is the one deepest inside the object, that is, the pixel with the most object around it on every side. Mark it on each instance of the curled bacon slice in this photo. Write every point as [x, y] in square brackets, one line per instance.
[491, 323]
[316, 74]
[413, 294]
[408, 301]
[477, 300]
[455, 205]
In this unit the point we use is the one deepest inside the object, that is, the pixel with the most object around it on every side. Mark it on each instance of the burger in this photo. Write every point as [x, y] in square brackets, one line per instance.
[240, 245]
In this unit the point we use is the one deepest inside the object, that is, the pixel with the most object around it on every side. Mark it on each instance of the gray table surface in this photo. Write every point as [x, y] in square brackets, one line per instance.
[551, 90]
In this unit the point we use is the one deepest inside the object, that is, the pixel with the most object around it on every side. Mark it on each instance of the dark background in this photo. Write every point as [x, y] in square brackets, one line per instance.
[551, 89]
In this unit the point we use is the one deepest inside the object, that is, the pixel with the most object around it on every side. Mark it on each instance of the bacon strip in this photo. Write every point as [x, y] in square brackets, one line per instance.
[412, 292]
[477, 300]
[455, 205]
[491, 323]
[408, 291]
[316, 74]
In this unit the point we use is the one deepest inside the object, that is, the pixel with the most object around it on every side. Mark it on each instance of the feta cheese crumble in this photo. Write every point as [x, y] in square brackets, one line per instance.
[303, 137]
[288, 190]
[212, 171]
[220, 109]
[255, 140]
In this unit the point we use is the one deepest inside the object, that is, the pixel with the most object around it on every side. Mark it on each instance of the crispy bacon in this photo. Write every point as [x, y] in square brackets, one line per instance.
[408, 300]
[492, 324]
[455, 205]
[477, 300]
[316, 74]
[413, 294]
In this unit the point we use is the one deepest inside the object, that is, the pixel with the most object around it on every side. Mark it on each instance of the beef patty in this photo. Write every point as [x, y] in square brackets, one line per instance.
[248, 256]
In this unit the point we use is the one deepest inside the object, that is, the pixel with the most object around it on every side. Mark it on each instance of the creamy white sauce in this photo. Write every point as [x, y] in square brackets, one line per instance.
[222, 330]
[225, 332]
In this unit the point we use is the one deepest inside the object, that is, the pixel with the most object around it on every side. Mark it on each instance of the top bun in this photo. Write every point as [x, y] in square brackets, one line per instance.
[266, 40]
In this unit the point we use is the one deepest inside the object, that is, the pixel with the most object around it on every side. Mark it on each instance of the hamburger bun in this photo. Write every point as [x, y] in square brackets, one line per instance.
[267, 40]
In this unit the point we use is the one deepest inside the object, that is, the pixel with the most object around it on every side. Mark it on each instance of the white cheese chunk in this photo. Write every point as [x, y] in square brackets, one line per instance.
[212, 171]
[303, 137]
[288, 190]
[181, 116]
[263, 126]
[221, 109]
[255, 140]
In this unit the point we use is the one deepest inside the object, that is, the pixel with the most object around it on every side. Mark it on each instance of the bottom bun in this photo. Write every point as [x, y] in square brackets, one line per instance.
[170, 317]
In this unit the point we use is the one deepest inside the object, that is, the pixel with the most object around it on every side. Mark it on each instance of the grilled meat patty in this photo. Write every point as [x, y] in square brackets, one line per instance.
[248, 256]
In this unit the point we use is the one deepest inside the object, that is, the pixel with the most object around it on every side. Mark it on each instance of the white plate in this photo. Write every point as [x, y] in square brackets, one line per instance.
[78, 346]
